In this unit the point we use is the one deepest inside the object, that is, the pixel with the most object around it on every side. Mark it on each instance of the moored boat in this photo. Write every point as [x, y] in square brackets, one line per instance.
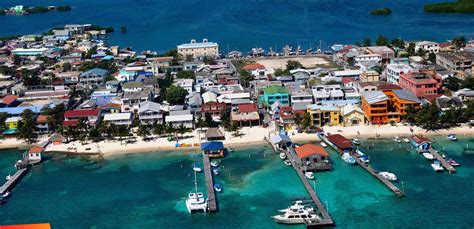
[287, 162]
[309, 175]
[324, 144]
[214, 163]
[406, 140]
[388, 175]
[348, 158]
[218, 188]
[428, 155]
[453, 162]
[355, 141]
[216, 171]
[397, 139]
[8, 177]
[197, 169]
[436, 165]
[282, 156]
[452, 137]
[296, 216]
[364, 158]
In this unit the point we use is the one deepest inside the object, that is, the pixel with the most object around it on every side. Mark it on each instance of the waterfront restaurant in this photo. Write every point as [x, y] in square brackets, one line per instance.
[421, 143]
[312, 157]
[213, 149]
[340, 141]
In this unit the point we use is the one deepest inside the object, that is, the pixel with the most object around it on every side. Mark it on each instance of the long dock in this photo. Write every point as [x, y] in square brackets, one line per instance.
[369, 169]
[211, 195]
[13, 180]
[326, 219]
[443, 161]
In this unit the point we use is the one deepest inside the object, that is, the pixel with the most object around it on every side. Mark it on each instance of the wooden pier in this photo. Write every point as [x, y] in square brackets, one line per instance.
[369, 169]
[211, 195]
[22, 169]
[443, 161]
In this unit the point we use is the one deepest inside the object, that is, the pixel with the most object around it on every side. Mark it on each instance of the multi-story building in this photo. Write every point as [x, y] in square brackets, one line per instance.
[273, 93]
[369, 76]
[393, 71]
[421, 83]
[119, 119]
[150, 112]
[327, 92]
[93, 77]
[399, 101]
[375, 106]
[428, 46]
[213, 108]
[385, 52]
[324, 115]
[199, 49]
[456, 61]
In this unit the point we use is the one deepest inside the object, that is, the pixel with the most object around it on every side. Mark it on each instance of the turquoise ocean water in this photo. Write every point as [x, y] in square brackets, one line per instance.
[148, 190]
[235, 24]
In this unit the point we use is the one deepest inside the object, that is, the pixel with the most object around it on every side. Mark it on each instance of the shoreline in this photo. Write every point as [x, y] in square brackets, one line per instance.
[252, 136]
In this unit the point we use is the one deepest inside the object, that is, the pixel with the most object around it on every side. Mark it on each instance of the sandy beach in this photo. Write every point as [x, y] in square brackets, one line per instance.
[280, 62]
[249, 136]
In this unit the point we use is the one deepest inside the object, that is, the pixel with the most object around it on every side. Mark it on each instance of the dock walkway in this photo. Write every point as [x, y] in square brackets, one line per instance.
[211, 195]
[443, 161]
[369, 169]
[13, 180]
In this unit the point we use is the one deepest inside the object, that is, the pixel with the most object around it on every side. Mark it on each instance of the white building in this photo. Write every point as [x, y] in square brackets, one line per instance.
[368, 58]
[393, 71]
[429, 46]
[119, 119]
[177, 118]
[199, 49]
[327, 92]
[150, 112]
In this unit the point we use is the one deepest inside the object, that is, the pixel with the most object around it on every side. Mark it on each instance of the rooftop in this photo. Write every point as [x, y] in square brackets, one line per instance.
[274, 89]
[310, 149]
[373, 97]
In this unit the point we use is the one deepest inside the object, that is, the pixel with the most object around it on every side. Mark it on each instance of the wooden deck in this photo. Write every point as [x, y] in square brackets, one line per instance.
[443, 161]
[14, 180]
[211, 195]
[369, 169]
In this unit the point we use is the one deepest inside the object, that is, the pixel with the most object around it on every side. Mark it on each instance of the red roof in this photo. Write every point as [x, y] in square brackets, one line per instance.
[9, 99]
[287, 113]
[310, 149]
[346, 80]
[41, 119]
[253, 67]
[247, 108]
[431, 98]
[340, 141]
[70, 122]
[81, 113]
[36, 149]
[420, 139]
[388, 87]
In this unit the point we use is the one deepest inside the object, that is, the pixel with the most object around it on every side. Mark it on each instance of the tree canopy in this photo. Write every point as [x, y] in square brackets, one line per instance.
[175, 95]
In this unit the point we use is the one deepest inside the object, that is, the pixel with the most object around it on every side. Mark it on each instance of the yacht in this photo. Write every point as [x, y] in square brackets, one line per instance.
[428, 155]
[214, 163]
[388, 175]
[324, 144]
[397, 139]
[296, 206]
[218, 188]
[296, 216]
[282, 156]
[287, 162]
[453, 162]
[348, 158]
[309, 175]
[437, 166]
[452, 137]
[355, 141]
[196, 200]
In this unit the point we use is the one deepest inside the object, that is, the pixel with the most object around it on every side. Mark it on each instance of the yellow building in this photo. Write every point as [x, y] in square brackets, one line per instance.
[12, 122]
[199, 49]
[324, 115]
[369, 76]
[352, 115]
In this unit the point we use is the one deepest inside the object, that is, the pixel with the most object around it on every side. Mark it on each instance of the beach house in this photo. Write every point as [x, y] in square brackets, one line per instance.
[93, 77]
[246, 114]
[324, 115]
[352, 115]
[178, 118]
[273, 93]
[150, 113]
[393, 71]
[119, 119]
[72, 117]
[427, 46]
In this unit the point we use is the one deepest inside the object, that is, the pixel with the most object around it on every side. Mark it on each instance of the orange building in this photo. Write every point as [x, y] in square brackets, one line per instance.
[400, 100]
[375, 106]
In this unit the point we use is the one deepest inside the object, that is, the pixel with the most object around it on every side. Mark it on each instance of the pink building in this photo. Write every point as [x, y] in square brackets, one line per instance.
[421, 83]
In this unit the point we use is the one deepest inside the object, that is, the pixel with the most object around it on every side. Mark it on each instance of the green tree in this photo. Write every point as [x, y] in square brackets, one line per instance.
[123, 131]
[410, 115]
[293, 64]
[398, 43]
[27, 127]
[208, 120]
[367, 42]
[186, 74]
[382, 41]
[245, 78]
[143, 131]
[452, 83]
[459, 42]
[468, 83]
[432, 57]
[306, 122]
[428, 117]
[225, 120]
[175, 95]
[411, 49]
[158, 129]
[67, 67]
[94, 134]
[82, 129]
[234, 127]
[298, 119]
[182, 129]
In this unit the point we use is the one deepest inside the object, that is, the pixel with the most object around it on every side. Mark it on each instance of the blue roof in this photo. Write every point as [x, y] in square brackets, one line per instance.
[108, 57]
[95, 71]
[98, 55]
[212, 146]
[339, 102]
[19, 110]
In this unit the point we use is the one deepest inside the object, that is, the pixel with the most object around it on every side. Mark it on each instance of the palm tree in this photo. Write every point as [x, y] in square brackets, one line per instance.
[298, 119]
[234, 127]
[82, 129]
[182, 129]
[158, 129]
[143, 131]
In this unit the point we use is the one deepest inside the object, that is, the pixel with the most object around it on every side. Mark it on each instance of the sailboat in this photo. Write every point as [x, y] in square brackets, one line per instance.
[196, 200]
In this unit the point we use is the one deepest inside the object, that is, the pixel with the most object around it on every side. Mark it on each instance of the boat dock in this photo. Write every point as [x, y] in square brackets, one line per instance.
[443, 161]
[22, 169]
[211, 195]
[367, 168]
[326, 219]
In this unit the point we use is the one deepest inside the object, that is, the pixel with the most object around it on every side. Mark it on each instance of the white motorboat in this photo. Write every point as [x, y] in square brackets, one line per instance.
[453, 162]
[324, 144]
[287, 162]
[296, 216]
[355, 141]
[231, 149]
[364, 158]
[309, 175]
[5, 195]
[214, 163]
[282, 156]
[218, 188]
[297, 206]
[452, 137]
[8, 177]
[216, 171]
[196, 200]
[406, 140]
[348, 158]
[436, 165]
[388, 175]
[428, 155]
[397, 139]
[197, 169]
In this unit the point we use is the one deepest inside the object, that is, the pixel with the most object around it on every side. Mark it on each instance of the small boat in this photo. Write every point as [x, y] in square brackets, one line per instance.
[397, 139]
[282, 156]
[452, 137]
[296, 216]
[287, 162]
[428, 156]
[453, 162]
[231, 149]
[443, 155]
[355, 141]
[324, 144]
[309, 175]
[348, 158]
[216, 171]
[197, 169]
[406, 140]
[214, 163]
[436, 165]
[5, 195]
[388, 175]
[364, 158]
[8, 177]
[218, 188]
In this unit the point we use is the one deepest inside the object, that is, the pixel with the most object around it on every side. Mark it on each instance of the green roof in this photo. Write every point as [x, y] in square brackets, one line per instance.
[274, 89]
[10, 131]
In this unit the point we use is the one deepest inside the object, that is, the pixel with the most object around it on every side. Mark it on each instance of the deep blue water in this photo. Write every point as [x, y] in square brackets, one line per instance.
[162, 24]
[148, 190]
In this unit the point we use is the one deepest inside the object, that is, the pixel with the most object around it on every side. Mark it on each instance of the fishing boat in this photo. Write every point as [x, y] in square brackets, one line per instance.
[218, 188]
[406, 140]
[397, 139]
[436, 165]
[452, 137]
[428, 155]
[216, 171]
[355, 141]
[348, 158]
[309, 175]
[296, 216]
[196, 200]
[287, 162]
[214, 164]
[324, 144]
[283, 156]
[453, 162]
[388, 175]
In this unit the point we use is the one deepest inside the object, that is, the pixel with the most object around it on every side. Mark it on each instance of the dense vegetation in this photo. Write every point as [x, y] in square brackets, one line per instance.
[461, 6]
[431, 118]
[382, 11]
